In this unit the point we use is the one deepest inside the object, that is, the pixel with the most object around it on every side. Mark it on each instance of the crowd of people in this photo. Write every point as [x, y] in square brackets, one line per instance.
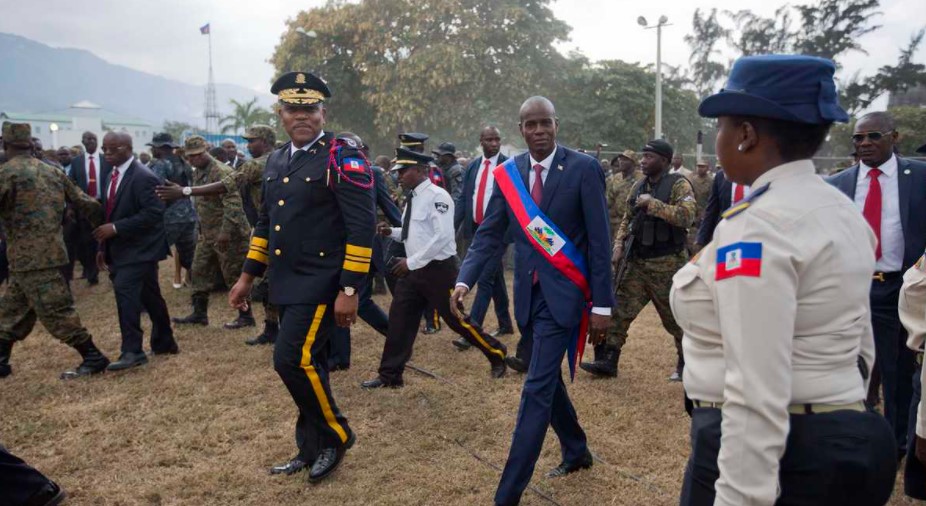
[784, 292]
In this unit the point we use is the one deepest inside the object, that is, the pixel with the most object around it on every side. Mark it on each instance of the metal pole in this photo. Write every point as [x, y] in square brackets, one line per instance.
[659, 81]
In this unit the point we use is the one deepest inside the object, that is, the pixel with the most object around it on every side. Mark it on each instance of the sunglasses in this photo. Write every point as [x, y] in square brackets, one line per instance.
[873, 136]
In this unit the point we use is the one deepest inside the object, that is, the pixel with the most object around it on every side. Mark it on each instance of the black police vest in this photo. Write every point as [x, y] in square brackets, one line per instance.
[656, 237]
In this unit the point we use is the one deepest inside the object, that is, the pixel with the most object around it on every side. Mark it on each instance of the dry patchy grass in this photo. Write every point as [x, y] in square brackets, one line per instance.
[202, 427]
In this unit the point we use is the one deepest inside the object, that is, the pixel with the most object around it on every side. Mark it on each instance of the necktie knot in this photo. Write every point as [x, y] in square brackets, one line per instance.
[538, 169]
[487, 162]
[874, 173]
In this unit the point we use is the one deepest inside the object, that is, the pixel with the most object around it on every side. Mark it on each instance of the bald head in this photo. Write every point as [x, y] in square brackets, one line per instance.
[539, 126]
[537, 103]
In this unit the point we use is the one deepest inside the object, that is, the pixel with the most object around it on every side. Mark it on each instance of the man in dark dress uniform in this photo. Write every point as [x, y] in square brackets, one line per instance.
[315, 231]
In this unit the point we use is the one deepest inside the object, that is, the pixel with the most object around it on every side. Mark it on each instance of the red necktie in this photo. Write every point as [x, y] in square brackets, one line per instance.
[872, 210]
[537, 195]
[481, 193]
[91, 180]
[738, 192]
[111, 199]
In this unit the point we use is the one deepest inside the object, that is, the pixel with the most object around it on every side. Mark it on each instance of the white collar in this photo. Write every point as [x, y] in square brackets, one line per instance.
[546, 162]
[293, 148]
[493, 159]
[422, 186]
[888, 168]
[122, 168]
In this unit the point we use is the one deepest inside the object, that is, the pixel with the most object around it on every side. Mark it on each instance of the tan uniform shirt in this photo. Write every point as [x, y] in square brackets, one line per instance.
[776, 312]
[913, 316]
[702, 192]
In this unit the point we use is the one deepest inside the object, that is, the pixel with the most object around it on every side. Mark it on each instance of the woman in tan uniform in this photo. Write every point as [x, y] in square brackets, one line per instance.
[778, 340]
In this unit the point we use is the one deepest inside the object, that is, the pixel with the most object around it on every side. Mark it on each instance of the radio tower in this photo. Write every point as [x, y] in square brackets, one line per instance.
[212, 113]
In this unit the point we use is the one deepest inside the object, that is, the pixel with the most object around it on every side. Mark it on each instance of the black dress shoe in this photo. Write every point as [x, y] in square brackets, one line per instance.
[379, 383]
[461, 344]
[516, 363]
[564, 468]
[503, 331]
[292, 467]
[173, 350]
[498, 368]
[49, 495]
[329, 459]
[128, 361]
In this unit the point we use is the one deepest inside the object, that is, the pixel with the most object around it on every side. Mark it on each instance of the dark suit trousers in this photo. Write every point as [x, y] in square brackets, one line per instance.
[544, 403]
[895, 360]
[840, 459]
[430, 285]
[18, 480]
[300, 359]
[136, 287]
[86, 249]
[491, 288]
[368, 311]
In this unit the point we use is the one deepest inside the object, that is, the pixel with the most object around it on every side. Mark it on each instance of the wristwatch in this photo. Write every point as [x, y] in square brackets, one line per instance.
[349, 291]
[187, 191]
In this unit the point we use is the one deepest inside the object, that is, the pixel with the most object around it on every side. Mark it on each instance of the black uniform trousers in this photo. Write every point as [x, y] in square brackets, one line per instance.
[894, 359]
[136, 287]
[300, 359]
[914, 475]
[431, 286]
[18, 480]
[844, 458]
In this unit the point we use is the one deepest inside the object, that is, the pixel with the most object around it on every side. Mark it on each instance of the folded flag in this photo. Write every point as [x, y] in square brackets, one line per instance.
[204, 30]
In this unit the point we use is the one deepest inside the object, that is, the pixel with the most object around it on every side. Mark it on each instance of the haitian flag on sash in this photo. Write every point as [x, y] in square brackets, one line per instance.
[551, 243]
[739, 259]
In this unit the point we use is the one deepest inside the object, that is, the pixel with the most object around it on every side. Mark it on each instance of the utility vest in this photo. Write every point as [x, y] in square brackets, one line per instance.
[656, 237]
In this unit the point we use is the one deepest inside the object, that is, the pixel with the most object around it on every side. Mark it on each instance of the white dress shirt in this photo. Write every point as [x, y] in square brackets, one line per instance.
[490, 183]
[789, 333]
[892, 243]
[430, 234]
[96, 163]
[293, 148]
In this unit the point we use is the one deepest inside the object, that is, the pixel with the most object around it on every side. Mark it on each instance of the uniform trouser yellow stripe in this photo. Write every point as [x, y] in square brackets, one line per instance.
[478, 337]
[317, 387]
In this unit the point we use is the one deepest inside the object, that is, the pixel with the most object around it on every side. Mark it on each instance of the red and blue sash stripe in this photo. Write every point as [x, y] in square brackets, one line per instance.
[568, 260]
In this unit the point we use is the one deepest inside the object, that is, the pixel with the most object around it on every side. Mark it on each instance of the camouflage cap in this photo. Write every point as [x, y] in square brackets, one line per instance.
[195, 145]
[264, 132]
[629, 154]
[17, 133]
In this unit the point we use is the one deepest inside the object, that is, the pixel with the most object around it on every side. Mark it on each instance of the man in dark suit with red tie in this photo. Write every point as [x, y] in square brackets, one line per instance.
[889, 192]
[89, 171]
[468, 213]
[132, 242]
[562, 282]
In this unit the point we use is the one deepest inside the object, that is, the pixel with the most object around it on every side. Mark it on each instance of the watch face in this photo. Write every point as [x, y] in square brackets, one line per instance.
[349, 291]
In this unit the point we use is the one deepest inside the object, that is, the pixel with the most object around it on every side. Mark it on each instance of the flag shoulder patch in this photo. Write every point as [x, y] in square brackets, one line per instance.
[354, 165]
[739, 259]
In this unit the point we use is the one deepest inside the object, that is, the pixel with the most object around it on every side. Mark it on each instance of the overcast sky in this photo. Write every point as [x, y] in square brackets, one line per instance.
[163, 37]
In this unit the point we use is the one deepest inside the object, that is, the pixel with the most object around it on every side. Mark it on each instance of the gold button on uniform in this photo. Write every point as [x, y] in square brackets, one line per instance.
[277, 228]
[321, 253]
[308, 179]
[280, 203]
[277, 252]
[286, 179]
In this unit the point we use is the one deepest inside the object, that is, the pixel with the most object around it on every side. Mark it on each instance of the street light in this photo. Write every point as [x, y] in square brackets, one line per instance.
[310, 33]
[54, 135]
[663, 21]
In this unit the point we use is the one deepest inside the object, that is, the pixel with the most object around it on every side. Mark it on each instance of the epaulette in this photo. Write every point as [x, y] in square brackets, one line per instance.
[742, 206]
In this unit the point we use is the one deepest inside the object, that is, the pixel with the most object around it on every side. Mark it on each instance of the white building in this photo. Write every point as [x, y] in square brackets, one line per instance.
[65, 128]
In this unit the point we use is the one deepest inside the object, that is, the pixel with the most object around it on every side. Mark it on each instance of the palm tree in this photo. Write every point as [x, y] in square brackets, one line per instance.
[244, 115]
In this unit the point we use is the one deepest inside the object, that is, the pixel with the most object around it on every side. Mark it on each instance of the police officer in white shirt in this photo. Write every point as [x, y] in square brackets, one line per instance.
[778, 338]
[427, 275]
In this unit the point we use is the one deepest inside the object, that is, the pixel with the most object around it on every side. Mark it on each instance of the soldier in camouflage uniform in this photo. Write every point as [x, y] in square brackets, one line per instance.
[223, 241]
[618, 185]
[261, 141]
[179, 216]
[701, 182]
[668, 206]
[33, 196]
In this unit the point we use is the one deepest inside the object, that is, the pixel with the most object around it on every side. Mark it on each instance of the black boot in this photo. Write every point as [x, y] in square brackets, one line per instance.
[94, 361]
[605, 365]
[268, 336]
[245, 319]
[199, 316]
[6, 347]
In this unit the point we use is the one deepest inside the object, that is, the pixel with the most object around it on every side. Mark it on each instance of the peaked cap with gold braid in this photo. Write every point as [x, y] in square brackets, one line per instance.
[300, 88]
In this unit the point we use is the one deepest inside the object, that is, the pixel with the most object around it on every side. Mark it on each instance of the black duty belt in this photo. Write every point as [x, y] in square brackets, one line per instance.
[881, 277]
[798, 409]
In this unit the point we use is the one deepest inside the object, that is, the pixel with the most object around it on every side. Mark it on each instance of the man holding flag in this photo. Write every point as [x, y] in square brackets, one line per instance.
[554, 197]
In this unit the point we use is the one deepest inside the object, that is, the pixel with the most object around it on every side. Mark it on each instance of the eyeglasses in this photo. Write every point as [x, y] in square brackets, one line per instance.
[873, 136]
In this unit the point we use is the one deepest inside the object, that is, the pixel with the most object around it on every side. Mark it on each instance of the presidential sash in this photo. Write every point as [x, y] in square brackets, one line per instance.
[551, 243]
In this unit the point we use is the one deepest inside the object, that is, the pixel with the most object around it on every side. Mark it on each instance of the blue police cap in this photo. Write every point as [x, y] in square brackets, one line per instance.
[405, 158]
[784, 87]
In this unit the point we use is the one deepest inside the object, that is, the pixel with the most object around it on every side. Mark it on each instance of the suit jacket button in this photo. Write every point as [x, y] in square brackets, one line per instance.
[285, 179]
[277, 252]
[277, 228]
[280, 203]
[308, 179]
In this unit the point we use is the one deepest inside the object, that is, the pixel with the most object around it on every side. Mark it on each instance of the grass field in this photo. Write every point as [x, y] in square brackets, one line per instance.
[202, 427]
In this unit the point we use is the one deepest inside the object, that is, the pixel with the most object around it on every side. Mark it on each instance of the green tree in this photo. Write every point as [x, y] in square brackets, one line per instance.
[707, 33]
[244, 115]
[831, 28]
[176, 129]
[911, 125]
[755, 34]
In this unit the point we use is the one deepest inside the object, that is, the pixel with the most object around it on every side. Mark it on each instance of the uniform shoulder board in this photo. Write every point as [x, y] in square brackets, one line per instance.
[742, 206]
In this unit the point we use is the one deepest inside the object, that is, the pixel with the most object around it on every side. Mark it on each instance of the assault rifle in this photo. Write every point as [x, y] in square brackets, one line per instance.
[632, 231]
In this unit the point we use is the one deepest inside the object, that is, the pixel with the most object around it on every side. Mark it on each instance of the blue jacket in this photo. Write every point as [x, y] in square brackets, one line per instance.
[138, 215]
[573, 199]
[463, 207]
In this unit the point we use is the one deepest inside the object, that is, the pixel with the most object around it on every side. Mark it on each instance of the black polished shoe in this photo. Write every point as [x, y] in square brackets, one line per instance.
[290, 468]
[605, 364]
[498, 368]
[563, 469]
[461, 344]
[516, 364]
[94, 361]
[49, 495]
[502, 331]
[128, 361]
[379, 383]
[329, 459]
[268, 336]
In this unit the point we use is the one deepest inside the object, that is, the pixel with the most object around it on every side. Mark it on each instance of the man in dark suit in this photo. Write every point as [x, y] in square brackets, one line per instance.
[132, 242]
[568, 188]
[724, 193]
[890, 191]
[90, 171]
[468, 213]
